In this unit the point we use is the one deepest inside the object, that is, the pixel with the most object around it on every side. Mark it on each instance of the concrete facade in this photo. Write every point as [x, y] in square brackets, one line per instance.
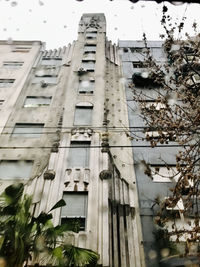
[62, 134]
[149, 190]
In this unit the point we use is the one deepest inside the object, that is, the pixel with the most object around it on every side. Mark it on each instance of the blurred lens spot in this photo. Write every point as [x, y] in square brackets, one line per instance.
[65, 26]
[4, 29]
[145, 74]
[165, 252]
[85, 84]
[41, 3]
[152, 254]
[9, 41]
[122, 80]
[13, 3]
[115, 28]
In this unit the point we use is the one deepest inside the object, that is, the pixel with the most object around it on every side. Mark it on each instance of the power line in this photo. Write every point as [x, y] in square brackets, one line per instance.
[118, 146]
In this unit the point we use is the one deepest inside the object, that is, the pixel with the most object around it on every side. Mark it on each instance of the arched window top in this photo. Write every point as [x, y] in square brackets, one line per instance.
[84, 104]
[91, 29]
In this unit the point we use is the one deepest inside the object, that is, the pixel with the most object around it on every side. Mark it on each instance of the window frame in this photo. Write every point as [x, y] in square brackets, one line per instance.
[84, 162]
[24, 177]
[83, 214]
[26, 134]
[79, 110]
[37, 105]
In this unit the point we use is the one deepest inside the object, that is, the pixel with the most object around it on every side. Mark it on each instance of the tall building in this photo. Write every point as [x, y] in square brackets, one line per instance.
[157, 188]
[63, 115]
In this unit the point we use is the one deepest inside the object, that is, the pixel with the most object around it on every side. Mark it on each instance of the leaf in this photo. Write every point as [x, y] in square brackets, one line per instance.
[59, 204]
[57, 252]
[2, 238]
[43, 218]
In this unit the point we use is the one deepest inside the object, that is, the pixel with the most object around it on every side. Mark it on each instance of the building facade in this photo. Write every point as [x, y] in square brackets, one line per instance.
[153, 189]
[63, 115]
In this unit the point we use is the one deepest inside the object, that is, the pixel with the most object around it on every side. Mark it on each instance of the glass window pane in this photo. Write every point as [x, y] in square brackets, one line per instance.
[51, 62]
[76, 205]
[12, 64]
[15, 169]
[83, 116]
[86, 87]
[6, 82]
[88, 65]
[79, 154]
[34, 101]
[90, 48]
[28, 130]
[48, 80]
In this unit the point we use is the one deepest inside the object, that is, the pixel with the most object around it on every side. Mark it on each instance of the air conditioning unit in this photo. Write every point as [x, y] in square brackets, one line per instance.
[81, 71]
[43, 84]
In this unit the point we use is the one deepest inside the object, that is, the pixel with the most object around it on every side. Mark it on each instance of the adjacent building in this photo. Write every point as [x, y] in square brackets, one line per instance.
[161, 159]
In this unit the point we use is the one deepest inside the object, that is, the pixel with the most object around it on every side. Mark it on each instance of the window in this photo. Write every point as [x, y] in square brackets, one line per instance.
[45, 80]
[91, 35]
[137, 49]
[139, 64]
[90, 48]
[51, 61]
[89, 56]
[6, 82]
[1, 102]
[29, 130]
[88, 65]
[164, 174]
[13, 64]
[79, 154]
[74, 212]
[15, 169]
[86, 87]
[83, 114]
[22, 49]
[152, 104]
[37, 101]
[159, 134]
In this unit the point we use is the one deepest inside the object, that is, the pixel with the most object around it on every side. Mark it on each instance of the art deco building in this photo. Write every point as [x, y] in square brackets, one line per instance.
[63, 119]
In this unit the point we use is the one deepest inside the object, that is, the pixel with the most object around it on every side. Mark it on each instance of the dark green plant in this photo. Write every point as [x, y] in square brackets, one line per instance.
[163, 241]
[24, 238]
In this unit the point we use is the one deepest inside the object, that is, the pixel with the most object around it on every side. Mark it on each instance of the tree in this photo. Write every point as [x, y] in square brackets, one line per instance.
[24, 238]
[174, 116]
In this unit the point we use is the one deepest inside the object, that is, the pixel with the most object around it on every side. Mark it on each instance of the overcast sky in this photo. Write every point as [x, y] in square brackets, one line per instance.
[56, 21]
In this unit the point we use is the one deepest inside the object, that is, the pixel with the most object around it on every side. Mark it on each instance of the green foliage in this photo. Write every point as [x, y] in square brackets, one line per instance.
[24, 237]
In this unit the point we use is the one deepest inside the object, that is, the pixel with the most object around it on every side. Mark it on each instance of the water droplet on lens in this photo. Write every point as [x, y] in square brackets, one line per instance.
[165, 252]
[13, 3]
[10, 40]
[145, 74]
[152, 254]
[41, 3]
[85, 84]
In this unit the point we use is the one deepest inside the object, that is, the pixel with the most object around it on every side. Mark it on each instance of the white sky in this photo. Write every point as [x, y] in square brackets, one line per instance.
[56, 21]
